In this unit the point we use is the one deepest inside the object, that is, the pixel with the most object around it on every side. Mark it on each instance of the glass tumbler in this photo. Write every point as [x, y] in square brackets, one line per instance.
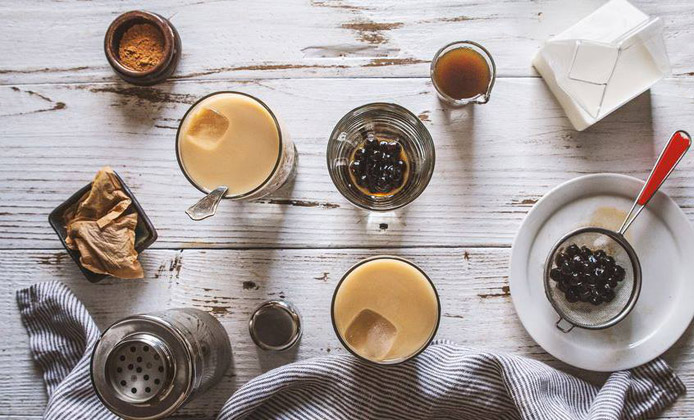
[384, 121]
[406, 297]
[481, 98]
[284, 167]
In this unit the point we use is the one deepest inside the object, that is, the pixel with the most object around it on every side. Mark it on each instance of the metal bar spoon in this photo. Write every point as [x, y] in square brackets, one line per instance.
[207, 206]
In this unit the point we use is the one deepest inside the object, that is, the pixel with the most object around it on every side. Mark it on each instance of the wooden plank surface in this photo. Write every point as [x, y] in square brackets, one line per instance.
[63, 41]
[64, 114]
[493, 162]
[473, 285]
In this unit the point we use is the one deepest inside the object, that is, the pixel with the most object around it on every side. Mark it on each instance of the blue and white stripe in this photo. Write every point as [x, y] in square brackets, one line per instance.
[444, 382]
[62, 335]
[450, 382]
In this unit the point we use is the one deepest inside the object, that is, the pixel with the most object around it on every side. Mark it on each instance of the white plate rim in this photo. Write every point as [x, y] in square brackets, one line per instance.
[686, 314]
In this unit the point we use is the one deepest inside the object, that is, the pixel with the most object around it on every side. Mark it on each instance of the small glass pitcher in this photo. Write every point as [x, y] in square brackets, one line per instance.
[481, 98]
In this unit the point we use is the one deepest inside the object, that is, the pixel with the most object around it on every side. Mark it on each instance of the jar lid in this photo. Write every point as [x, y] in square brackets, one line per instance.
[275, 325]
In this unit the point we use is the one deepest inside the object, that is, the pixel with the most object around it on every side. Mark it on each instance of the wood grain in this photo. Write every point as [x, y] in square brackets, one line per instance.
[473, 285]
[493, 161]
[64, 114]
[63, 41]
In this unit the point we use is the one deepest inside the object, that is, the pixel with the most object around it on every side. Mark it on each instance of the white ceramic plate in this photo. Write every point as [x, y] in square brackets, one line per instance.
[664, 241]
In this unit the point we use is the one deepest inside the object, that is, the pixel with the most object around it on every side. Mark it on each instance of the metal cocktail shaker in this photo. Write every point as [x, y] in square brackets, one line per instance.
[147, 366]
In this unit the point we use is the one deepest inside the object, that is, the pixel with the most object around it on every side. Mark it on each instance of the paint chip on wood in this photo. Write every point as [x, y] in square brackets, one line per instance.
[505, 292]
[325, 277]
[250, 285]
[371, 32]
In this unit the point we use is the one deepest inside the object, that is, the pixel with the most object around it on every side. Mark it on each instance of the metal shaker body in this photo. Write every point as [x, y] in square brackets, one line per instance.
[147, 366]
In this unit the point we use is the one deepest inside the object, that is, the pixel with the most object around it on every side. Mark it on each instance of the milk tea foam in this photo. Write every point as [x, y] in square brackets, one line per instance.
[229, 139]
[386, 310]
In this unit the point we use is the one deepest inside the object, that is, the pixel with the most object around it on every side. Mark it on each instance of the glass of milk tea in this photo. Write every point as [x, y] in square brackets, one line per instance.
[385, 310]
[231, 145]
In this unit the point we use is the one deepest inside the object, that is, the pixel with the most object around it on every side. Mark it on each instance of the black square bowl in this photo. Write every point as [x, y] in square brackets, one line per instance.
[145, 234]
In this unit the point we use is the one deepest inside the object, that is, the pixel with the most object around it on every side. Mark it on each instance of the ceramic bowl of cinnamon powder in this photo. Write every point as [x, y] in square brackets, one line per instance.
[142, 47]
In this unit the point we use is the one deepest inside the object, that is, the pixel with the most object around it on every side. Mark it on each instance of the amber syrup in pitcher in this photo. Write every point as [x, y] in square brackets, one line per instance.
[462, 73]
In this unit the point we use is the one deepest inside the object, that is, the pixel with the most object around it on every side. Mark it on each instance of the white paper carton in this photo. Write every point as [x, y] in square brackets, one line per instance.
[604, 61]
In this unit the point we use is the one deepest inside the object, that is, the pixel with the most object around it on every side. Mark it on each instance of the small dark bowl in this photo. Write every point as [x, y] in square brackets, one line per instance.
[145, 234]
[172, 47]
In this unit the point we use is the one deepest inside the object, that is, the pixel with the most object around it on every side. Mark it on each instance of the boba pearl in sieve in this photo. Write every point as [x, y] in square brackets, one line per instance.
[147, 366]
[603, 313]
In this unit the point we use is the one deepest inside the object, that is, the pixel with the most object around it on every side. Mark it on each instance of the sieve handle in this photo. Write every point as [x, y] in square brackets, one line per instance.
[564, 325]
[669, 158]
[671, 155]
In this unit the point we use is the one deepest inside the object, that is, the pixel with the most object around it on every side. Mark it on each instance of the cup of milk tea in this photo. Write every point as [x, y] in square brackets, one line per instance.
[385, 310]
[231, 145]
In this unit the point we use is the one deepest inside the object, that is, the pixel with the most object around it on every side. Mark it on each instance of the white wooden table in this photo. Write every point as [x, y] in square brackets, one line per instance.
[64, 114]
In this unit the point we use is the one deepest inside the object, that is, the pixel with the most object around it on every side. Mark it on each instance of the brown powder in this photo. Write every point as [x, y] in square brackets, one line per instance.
[141, 47]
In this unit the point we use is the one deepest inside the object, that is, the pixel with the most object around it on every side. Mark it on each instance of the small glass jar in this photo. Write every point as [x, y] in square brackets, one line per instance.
[275, 325]
[481, 98]
[383, 120]
[283, 171]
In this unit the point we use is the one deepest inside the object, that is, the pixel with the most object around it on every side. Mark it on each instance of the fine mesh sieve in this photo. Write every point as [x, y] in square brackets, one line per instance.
[606, 313]
[585, 314]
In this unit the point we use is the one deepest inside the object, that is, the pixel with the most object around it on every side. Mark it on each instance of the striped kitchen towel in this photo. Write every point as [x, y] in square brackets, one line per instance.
[62, 335]
[447, 381]
[444, 382]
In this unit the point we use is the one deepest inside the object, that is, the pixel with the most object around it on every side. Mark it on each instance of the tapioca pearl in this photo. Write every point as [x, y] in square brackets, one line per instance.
[619, 273]
[572, 250]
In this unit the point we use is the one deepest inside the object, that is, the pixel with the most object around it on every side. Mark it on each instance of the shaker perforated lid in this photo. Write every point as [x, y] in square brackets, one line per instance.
[138, 369]
[275, 325]
[141, 369]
